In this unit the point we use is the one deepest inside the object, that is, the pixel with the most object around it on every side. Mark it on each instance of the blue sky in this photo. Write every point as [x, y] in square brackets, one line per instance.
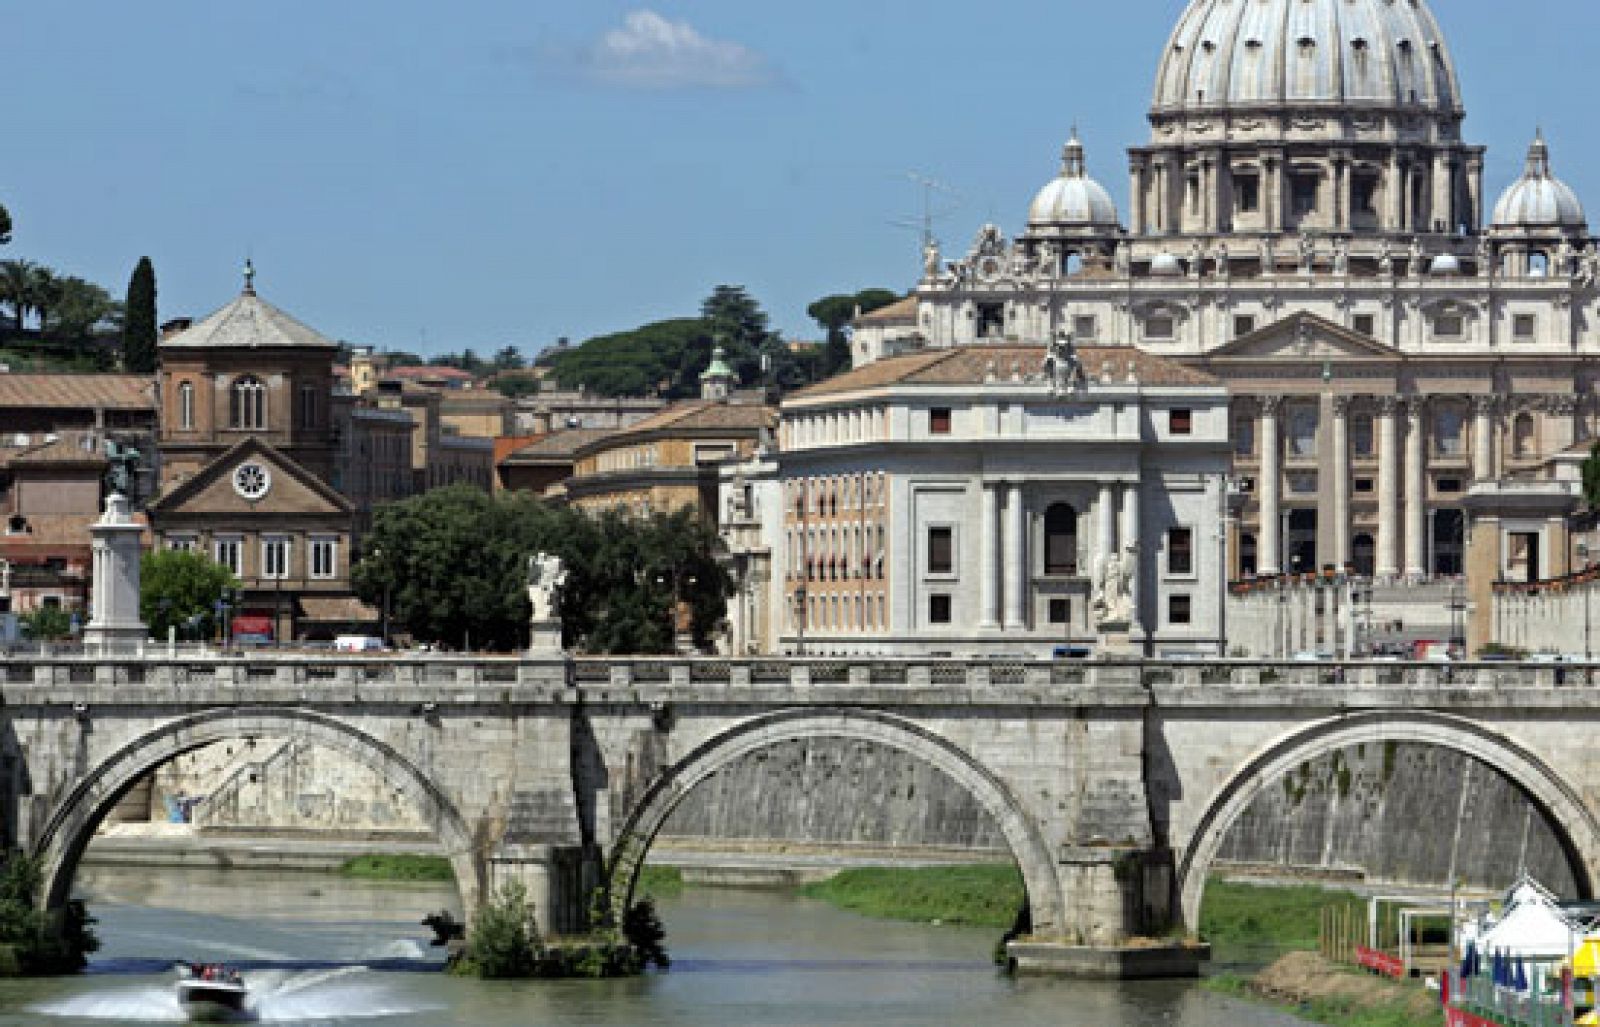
[433, 176]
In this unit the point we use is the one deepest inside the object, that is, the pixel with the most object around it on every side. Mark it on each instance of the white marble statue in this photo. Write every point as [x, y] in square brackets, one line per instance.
[1062, 365]
[547, 578]
[1113, 586]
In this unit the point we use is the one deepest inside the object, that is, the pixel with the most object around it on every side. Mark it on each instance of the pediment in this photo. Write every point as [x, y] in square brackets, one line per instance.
[1303, 337]
[290, 488]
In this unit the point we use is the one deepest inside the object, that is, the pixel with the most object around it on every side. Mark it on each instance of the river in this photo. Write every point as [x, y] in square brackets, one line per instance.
[322, 950]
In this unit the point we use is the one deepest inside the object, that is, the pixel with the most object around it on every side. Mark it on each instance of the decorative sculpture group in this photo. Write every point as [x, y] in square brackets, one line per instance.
[547, 580]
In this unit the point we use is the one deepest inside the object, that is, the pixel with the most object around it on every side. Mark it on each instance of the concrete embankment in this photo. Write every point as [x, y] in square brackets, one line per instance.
[181, 846]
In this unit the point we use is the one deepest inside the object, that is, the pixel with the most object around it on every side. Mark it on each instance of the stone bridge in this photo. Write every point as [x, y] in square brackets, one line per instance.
[1114, 784]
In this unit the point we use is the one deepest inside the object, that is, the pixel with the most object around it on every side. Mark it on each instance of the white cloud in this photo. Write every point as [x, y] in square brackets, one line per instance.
[651, 52]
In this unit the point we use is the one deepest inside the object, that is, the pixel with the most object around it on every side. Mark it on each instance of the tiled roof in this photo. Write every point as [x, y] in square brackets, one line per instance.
[899, 312]
[415, 372]
[506, 445]
[704, 414]
[974, 365]
[249, 322]
[558, 445]
[78, 391]
[67, 450]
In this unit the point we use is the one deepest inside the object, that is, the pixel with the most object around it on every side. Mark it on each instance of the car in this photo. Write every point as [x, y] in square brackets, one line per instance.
[358, 644]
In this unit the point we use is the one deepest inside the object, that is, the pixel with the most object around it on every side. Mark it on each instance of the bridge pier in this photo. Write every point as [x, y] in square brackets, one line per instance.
[560, 882]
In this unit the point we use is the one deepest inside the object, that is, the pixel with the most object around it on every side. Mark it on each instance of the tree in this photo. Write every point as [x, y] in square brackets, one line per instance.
[181, 590]
[44, 291]
[515, 386]
[139, 326]
[1591, 477]
[833, 315]
[507, 358]
[76, 308]
[5, 226]
[47, 623]
[17, 288]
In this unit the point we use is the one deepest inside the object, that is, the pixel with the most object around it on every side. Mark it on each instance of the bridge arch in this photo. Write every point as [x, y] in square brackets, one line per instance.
[669, 789]
[1561, 805]
[75, 817]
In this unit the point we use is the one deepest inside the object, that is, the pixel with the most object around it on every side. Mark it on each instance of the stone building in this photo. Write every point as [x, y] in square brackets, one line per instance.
[1308, 224]
[957, 501]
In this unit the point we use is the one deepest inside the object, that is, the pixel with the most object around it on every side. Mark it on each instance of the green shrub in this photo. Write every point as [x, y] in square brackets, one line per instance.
[504, 941]
[645, 935]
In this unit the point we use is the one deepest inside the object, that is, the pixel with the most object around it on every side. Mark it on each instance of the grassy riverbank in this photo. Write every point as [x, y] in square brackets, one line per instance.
[1264, 916]
[979, 896]
[1309, 986]
[659, 882]
[398, 868]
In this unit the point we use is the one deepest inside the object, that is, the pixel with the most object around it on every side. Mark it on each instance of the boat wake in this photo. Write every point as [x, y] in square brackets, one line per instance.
[276, 996]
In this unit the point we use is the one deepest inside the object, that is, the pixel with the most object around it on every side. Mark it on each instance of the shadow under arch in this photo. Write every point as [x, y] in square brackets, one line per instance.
[75, 817]
[1571, 821]
[1022, 835]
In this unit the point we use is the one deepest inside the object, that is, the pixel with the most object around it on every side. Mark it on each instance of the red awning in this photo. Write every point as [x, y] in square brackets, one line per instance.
[252, 625]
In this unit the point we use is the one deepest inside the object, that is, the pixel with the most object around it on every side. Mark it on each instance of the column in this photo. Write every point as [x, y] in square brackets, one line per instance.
[1272, 190]
[1342, 191]
[1016, 570]
[1347, 619]
[989, 547]
[1483, 438]
[1475, 192]
[1388, 484]
[1330, 619]
[1136, 187]
[1341, 483]
[1416, 493]
[1269, 549]
[1133, 542]
[1394, 195]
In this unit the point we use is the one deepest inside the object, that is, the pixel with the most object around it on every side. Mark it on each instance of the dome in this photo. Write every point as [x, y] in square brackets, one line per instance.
[1073, 199]
[1381, 54]
[1539, 199]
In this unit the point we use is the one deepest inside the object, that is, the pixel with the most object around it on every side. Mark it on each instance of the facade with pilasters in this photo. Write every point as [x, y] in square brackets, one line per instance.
[1308, 224]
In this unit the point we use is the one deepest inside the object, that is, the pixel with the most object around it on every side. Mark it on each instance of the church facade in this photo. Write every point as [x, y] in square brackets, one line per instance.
[1308, 224]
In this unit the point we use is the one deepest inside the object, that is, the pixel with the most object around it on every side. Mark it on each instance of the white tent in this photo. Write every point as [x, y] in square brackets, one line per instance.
[1532, 927]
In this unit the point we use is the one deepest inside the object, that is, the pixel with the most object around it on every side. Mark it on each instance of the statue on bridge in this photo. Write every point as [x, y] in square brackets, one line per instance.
[547, 580]
[1113, 587]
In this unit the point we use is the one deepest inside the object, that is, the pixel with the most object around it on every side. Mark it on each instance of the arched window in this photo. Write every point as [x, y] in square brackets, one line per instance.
[1061, 540]
[186, 406]
[1522, 432]
[247, 407]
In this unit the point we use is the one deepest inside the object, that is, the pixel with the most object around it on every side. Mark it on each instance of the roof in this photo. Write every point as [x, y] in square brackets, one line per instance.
[58, 532]
[416, 372]
[558, 446]
[75, 450]
[337, 610]
[703, 415]
[249, 322]
[975, 365]
[506, 445]
[78, 391]
[902, 311]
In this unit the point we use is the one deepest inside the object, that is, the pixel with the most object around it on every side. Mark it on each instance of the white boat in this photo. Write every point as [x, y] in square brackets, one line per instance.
[212, 994]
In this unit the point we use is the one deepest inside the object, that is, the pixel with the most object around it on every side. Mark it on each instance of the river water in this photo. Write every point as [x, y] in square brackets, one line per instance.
[324, 950]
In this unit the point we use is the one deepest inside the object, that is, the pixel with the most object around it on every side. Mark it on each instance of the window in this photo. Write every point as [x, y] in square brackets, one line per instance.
[1523, 327]
[1361, 435]
[1364, 485]
[939, 609]
[230, 553]
[308, 406]
[1061, 540]
[939, 421]
[275, 558]
[1060, 611]
[1243, 324]
[1449, 486]
[1303, 193]
[1180, 422]
[991, 320]
[941, 551]
[1522, 436]
[1159, 326]
[1364, 193]
[181, 543]
[1179, 610]
[1449, 326]
[1365, 324]
[1180, 551]
[1303, 483]
[1247, 190]
[186, 406]
[324, 557]
[1085, 327]
[1449, 425]
[1303, 421]
[247, 405]
[1244, 436]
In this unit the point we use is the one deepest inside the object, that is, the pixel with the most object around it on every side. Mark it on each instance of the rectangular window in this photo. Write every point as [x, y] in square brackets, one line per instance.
[1180, 422]
[1244, 436]
[1060, 611]
[1303, 193]
[1243, 324]
[308, 406]
[1365, 324]
[1303, 483]
[1449, 326]
[939, 609]
[991, 320]
[1364, 193]
[1179, 610]
[324, 557]
[181, 543]
[1085, 327]
[275, 558]
[1449, 486]
[1158, 327]
[941, 551]
[230, 553]
[1180, 551]
[1248, 190]
[1364, 485]
[939, 421]
[1523, 327]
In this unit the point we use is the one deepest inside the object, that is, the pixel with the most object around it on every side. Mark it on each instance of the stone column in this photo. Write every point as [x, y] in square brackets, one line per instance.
[1330, 619]
[1483, 438]
[114, 603]
[1016, 570]
[1342, 191]
[1269, 549]
[1394, 194]
[1388, 563]
[1137, 192]
[1133, 541]
[989, 550]
[1341, 482]
[1475, 192]
[1416, 492]
[1272, 190]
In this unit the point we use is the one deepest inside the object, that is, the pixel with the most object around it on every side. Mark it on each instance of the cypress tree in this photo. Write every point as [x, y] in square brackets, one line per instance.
[139, 320]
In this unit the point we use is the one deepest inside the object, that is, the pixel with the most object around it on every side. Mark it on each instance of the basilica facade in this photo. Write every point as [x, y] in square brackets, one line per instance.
[1308, 225]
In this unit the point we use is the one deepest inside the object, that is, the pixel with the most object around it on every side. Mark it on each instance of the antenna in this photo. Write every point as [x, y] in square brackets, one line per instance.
[931, 213]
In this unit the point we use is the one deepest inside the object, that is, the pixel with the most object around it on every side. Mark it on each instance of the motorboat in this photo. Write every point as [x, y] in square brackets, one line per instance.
[212, 993]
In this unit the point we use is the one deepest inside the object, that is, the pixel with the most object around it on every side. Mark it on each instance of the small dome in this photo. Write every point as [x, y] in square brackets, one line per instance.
[1445, 264]
[1539, 199]
[1073, 199]
[1165, 265]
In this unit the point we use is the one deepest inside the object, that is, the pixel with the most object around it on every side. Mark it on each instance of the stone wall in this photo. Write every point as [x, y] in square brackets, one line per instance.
[1551, 621]
[1402, 814]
